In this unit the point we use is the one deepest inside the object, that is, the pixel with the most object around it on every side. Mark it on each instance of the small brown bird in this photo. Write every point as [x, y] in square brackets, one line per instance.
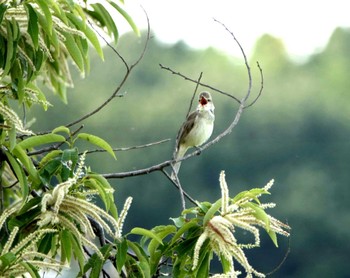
[196, 130]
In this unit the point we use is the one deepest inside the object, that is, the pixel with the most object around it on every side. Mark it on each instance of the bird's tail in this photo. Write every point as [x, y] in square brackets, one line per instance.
[177, 155]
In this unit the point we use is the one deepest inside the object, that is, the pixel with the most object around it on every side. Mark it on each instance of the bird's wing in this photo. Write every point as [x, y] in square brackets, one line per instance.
[185, 128]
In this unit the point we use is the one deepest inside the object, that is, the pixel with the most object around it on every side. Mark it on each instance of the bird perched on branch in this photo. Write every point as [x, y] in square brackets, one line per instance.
[196, 130]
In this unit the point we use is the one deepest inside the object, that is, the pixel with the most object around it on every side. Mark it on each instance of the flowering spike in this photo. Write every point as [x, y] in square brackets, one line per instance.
[224, 193]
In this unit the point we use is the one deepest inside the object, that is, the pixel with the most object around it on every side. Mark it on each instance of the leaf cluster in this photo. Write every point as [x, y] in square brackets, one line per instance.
[38, 38]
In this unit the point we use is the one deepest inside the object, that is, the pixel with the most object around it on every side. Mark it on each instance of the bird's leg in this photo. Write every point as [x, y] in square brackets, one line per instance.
[199, 149]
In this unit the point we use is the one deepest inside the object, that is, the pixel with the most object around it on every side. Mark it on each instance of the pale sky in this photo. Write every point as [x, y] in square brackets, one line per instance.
[304, 25]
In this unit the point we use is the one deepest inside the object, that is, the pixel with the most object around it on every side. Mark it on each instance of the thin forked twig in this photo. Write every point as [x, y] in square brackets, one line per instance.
[127, 73]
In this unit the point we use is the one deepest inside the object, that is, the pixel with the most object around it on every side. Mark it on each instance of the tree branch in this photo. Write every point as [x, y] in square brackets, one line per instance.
[132, 147]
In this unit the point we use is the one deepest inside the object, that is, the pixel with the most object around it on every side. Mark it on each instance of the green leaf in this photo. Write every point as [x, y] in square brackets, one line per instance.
[49, 157]
[6, 260]
[3, 8]
[161, 232]
[95, 263]
[260, 214]
[143, 259]
[107, 20]
[33, 28]
[12, 137]
[103, 185]
[32, 271]
[154, 253]
[95, 140]
[51, 33]
[188, 225]
[127, 17]
[29, 205]
[19, 152]
[203, 264]
[24, 218]
[66, 246]
[61, 129]
[226, 266]
[69, 160]
[20, 176]
[44, 6]
[146, 233]
[210, 213]
[273, 237]
[250, 194]
[51, 168]
[102, 193]
[38, 140]
[45, 243]
[122, 249]
[10, 50]
[78, 251]
[74, 51]
[179, 221]
[89, 33]
[32, 87]
[17, 80]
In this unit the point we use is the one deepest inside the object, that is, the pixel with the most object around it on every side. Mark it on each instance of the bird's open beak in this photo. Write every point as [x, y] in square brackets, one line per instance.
[203, 101]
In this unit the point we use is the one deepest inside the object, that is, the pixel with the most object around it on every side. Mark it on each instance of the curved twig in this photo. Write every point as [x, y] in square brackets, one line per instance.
[261, 86]
[131, 148]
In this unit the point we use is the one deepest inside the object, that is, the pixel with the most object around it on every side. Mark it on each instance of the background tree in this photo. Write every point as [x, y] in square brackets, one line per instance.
[48, 216]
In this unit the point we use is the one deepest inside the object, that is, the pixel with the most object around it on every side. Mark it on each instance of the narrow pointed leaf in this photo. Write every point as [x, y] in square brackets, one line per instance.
[20, 175]
[89, 33]
[38, 140]
[95, 140]
[74, 51]
[127, 17]
[146, 233]
[33, 28]
[44, 6]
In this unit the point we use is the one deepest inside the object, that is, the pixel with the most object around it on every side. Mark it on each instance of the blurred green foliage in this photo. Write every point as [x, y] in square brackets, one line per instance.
[298, 133]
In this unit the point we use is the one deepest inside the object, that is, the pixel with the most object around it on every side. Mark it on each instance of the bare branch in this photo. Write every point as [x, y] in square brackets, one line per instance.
[157, 167]
[200, 83]
[131, 148]
[194, 94]
[193, 201]
[178, 183]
